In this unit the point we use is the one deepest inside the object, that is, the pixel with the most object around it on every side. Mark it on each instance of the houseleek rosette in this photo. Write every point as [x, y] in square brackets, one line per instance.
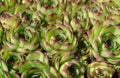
[9, 20]
[67, 66]
[58, 37]
[22, 39]
[111, 45]
[99, 70]
[104, 39]
[37, 65]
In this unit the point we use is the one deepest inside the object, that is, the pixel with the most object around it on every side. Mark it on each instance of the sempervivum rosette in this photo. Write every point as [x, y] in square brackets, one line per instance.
[22, 39]
[37, 65]
[68, 66]
[58, 37]
[99, 70]
[104, 39]
[104, 34]
[9, 20]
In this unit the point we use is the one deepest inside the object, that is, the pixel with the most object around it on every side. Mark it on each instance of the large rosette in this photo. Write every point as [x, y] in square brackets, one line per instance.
[58, 37]
[22, 39]
[68, 66]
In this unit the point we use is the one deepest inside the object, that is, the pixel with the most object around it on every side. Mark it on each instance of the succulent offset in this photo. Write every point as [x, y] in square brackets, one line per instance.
[59, 38]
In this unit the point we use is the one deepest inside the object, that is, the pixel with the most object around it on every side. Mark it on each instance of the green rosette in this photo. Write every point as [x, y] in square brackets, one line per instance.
[37, 65]
[111, 45]
[67, 66]
[104, 33]
[9, 21]
[104, 39]
[99, 70]
[58, 37]
[22, 39]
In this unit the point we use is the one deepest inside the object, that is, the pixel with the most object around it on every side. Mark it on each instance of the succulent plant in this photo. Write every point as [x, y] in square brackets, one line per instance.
[59, 38]
[67, 66]
[9, 21]
[105, 42]
[99, 69]
[22, 39]
[37, 65]
[103, 36]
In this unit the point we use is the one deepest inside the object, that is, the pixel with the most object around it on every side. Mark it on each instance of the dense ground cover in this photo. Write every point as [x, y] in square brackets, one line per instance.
[59, 38]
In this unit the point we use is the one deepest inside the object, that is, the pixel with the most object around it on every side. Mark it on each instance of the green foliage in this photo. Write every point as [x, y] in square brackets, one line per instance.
[59, 38]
